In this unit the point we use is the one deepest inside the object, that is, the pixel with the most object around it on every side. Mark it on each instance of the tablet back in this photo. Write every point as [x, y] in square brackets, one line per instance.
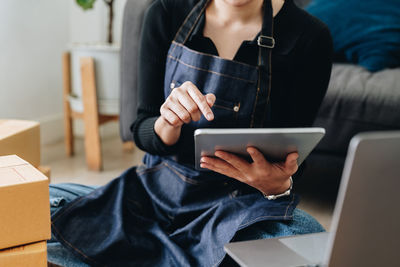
[275, 144]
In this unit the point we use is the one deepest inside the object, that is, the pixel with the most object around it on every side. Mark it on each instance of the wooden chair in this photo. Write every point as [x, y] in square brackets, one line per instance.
[90, 115]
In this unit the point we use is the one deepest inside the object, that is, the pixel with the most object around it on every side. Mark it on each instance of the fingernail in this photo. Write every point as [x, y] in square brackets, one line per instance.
[212, 101]
[209, 116]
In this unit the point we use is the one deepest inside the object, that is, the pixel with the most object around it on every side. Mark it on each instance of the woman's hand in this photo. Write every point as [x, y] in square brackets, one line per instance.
[269, 178]
[185, 104]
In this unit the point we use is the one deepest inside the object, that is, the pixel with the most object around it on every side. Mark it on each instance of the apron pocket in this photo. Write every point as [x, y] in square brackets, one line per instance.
[225, 113]
[226, 105]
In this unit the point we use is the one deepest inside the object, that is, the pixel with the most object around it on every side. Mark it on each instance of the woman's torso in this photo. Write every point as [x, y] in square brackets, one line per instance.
[292, 30]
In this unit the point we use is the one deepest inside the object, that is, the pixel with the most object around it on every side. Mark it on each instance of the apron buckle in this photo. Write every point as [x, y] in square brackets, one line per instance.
[266, 41]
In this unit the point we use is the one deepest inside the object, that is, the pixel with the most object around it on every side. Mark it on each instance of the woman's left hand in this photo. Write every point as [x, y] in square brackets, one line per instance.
[269, 178]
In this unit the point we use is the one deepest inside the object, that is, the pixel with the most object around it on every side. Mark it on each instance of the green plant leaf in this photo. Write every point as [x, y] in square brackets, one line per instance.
[85, 4]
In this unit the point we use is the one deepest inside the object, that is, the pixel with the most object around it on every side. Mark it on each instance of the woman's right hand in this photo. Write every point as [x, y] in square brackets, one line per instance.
[185, 104]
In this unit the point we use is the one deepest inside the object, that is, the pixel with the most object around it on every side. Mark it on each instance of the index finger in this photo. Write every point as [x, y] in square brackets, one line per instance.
[238, 163]
[201, 102]
[256, 155]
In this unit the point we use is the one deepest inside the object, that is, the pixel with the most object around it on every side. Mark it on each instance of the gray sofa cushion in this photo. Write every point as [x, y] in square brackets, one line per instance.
[131, 26]
[358, 100]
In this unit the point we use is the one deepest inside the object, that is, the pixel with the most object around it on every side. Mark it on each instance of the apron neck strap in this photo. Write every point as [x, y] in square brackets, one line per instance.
[262, 114]
[266, 39]
[190, 22]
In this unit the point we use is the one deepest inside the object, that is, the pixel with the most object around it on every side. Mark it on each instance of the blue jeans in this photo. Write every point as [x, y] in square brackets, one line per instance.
[61, 194]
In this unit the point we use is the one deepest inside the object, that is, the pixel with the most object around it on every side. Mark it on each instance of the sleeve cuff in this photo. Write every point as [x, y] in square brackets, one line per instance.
[150, 141]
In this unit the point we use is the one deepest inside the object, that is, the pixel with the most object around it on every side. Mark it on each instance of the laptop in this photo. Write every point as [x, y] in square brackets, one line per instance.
[365, 229]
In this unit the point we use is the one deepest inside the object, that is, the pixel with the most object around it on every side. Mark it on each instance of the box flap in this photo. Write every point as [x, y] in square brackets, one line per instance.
[10, 161]
[14, 170]
[25, 249]
[11, 127]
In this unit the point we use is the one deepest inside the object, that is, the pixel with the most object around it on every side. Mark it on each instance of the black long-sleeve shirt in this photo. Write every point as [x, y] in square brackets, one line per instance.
[301, 65]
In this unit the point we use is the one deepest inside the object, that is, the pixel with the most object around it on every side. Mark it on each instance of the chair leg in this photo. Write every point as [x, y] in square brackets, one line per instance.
[90, 114]
[68, 127]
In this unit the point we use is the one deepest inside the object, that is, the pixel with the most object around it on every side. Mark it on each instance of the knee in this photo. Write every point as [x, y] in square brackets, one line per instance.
[304, 223]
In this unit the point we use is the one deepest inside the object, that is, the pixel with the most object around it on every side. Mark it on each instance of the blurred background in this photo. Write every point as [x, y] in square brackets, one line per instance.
[59, 68]
[33, 37]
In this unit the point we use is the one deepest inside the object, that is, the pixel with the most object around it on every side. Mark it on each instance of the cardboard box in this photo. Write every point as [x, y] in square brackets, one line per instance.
[21, 138]
[24, 203]
[31, 255]
[46, 170]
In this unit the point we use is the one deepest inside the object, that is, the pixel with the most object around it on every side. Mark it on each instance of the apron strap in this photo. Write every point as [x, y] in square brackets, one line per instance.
[266, 42]
[190, 22]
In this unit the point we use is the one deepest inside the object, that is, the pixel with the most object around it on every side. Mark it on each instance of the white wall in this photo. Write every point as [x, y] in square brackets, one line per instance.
[33, 36]
[91, 25]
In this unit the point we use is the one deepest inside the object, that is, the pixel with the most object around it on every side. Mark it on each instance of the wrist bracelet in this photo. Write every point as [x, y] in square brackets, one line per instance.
[286, 193]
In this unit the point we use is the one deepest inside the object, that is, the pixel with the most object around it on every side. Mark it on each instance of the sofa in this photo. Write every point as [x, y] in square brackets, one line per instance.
[356, 101]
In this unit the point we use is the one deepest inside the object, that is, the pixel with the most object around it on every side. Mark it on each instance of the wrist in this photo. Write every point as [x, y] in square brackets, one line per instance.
[280, 191]
[168, 134]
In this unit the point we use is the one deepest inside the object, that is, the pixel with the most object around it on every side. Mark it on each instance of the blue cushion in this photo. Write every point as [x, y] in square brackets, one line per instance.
[365, 32]
[302, 223]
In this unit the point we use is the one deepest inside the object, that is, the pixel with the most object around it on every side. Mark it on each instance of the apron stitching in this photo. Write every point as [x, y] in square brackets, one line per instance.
[263, 217]
[209, 71]
[269, 74]
[210, 55]
[64, 210]
[75, 249]
[258, 91]
[185, 179]
[195, 22]
[186, 19]
[290, 203]
[151, 169]
[259, 79]
[141, 168]
[184, 23]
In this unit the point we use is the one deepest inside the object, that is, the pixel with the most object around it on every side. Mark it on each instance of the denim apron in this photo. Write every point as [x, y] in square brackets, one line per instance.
[166, 213]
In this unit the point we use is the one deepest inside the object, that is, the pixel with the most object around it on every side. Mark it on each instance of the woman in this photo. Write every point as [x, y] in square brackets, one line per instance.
[204, 63]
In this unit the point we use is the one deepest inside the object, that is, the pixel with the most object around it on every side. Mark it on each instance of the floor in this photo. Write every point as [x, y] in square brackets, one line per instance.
[115, 160]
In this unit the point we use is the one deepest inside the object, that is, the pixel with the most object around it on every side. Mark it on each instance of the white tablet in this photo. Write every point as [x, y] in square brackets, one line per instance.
[274, 143]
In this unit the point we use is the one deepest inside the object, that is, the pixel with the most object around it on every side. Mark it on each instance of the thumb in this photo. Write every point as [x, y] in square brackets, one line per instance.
[210, 99]
[291, 162]
[291, 159]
